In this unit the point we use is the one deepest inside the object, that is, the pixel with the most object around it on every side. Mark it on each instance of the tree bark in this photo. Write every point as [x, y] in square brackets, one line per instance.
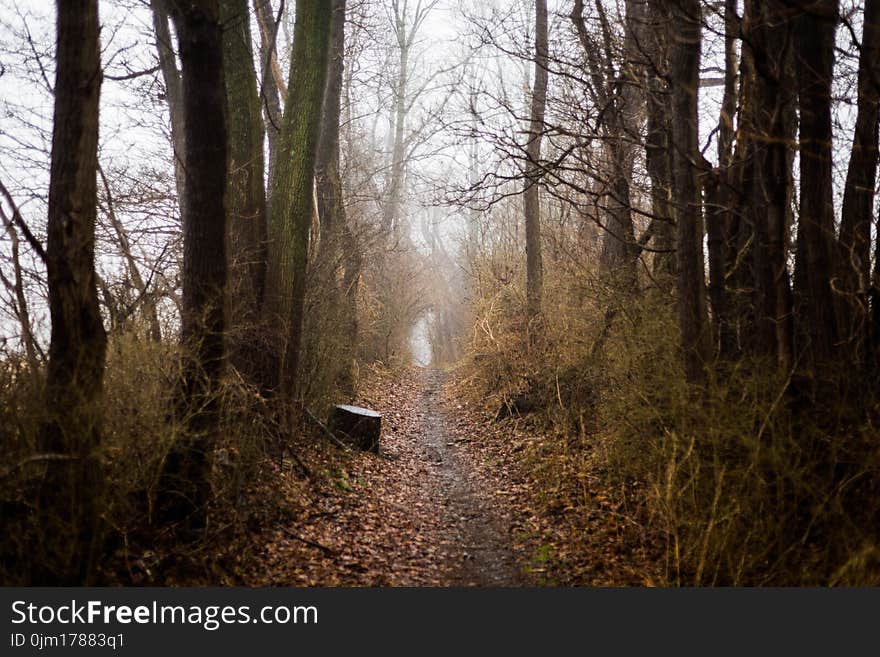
[658, 140]
[327, 177]
[768, 127]
[685, 78]
[270, 99]
[68, 508]
[814, 300]
[291, 202]
[173, 92]
[858, 195]
[534, 264]
[720, 202]
[246, 193]
[185, 490]
[391, 219]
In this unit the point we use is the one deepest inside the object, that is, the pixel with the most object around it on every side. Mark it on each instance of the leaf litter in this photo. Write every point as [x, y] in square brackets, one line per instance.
[454, 498]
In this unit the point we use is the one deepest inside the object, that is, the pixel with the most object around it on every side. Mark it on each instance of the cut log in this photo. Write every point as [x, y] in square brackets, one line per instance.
[358, 426]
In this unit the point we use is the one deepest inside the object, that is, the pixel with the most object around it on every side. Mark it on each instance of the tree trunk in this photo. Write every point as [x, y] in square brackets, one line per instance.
[358, 426]
[619, 243]
[68, 501]
[858, 195]
[291, 187]
[766, 182]
[184, 491]
[173, 92]
[270, 100]
[720, 202]
[327, 178]
[658, 146]
[391, 212]
[246, 194]
[534, 265]
[814, 44]
[685, 77]
[338, 243]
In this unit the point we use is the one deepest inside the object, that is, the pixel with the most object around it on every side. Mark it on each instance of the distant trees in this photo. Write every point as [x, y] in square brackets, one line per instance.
[68, 501]
[173, 90]
[407, 21]
[788, 282]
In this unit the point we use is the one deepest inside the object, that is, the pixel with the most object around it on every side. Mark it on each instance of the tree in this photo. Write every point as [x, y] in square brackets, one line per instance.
[271, 82]
[619, 96]
[767, 125]
[338, 241]
[291, 189]
[246, 194]
[531, 194]
[658, 151]
[185, 489]
[173, 91]
[685, 77]
[814, 302]
[74, 379]
[858, 195]
[327, 177]
[720, 188]
[406, 30]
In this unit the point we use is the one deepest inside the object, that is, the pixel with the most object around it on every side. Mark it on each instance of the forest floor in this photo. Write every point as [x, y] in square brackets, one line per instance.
[448, 501]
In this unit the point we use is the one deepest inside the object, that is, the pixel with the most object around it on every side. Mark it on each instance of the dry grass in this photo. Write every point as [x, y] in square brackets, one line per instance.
[745, 485]
[140, 427]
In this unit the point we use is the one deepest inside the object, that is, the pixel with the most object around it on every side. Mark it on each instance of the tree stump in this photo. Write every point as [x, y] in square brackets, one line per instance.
[359, 426]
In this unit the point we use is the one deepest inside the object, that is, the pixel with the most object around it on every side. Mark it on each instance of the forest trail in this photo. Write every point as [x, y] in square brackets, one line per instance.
[481, 555]
[420, 513]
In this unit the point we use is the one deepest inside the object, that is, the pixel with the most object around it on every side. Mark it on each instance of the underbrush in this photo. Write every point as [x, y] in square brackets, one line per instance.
[742, 483]
[139, 429]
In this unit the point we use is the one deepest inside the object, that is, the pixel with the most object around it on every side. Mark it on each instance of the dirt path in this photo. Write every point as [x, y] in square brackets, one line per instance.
[421, 513]
[479, 549]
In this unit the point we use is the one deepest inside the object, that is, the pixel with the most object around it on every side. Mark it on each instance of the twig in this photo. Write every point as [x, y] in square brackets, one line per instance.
[37, 457]
[18, 221]
[329, 434]
[294, 457]
[311, 543]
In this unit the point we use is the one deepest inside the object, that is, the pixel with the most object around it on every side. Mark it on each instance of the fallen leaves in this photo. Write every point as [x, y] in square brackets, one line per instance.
[414, 515]
[453, 498]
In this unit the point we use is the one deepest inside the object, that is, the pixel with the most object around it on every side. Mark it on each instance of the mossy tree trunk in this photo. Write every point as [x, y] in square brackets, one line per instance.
[339, 246]
[291, 191]
[246, 193]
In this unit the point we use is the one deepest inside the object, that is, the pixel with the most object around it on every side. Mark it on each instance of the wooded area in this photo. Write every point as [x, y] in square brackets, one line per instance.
[619, 260]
